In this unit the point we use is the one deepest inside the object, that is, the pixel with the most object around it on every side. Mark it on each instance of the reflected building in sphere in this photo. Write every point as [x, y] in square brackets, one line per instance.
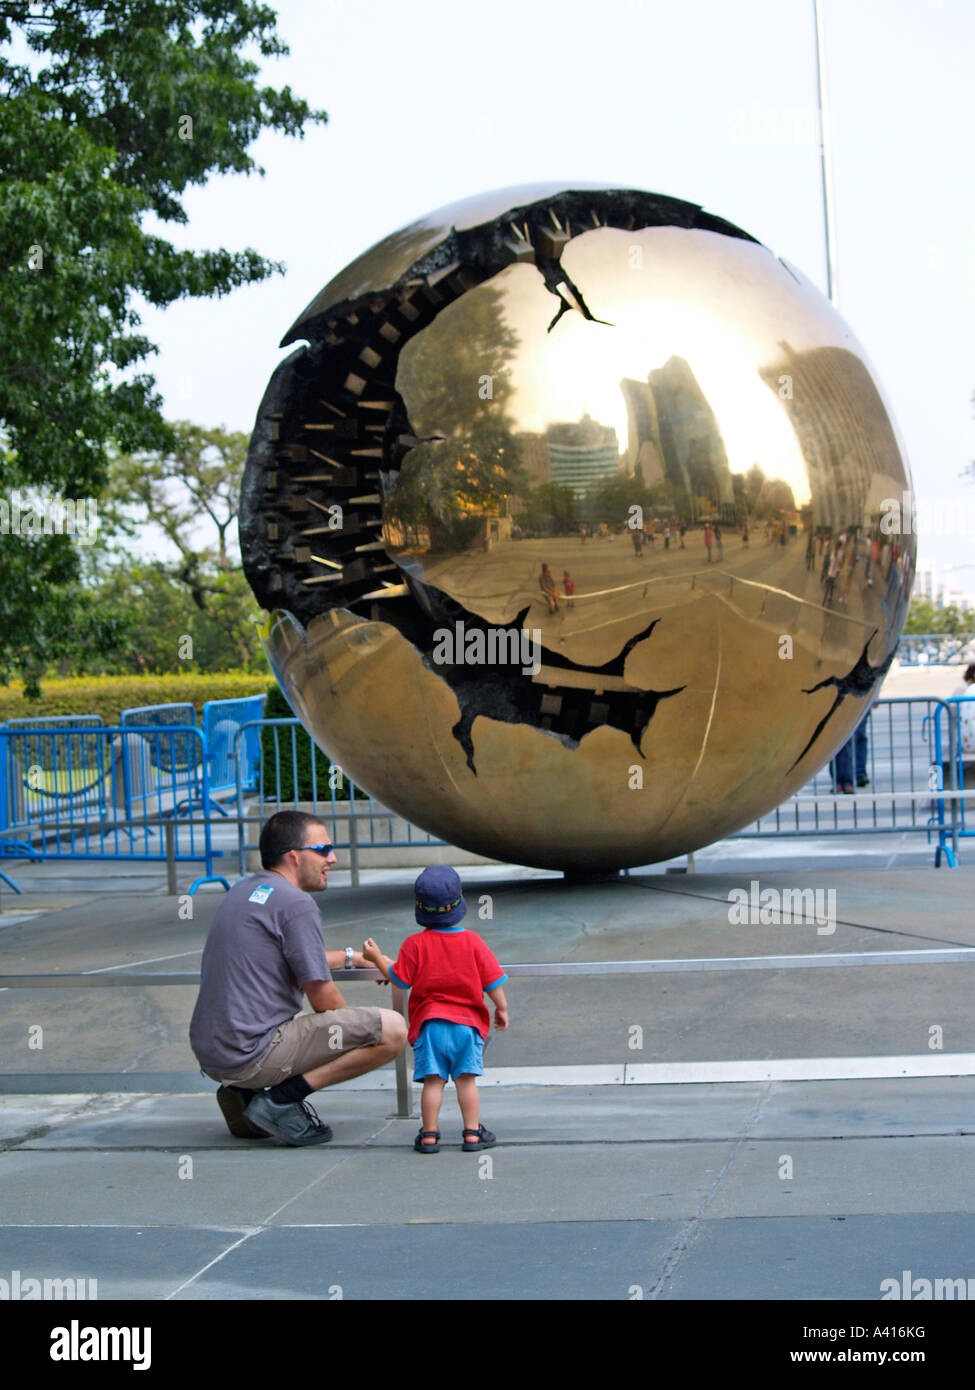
[694, 454]
[844, 431]
[582, 454]
[436, 384]
[536, 461]
[645, 450]
[674, 436]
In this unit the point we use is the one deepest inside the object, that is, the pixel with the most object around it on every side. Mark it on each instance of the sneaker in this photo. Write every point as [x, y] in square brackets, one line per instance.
[294, 1123]
[233, 1101]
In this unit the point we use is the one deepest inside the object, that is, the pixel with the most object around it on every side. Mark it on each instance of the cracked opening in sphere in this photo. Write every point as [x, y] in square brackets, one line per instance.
[338, 454]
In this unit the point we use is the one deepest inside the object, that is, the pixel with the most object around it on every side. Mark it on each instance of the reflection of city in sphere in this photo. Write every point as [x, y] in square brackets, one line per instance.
[569, 519]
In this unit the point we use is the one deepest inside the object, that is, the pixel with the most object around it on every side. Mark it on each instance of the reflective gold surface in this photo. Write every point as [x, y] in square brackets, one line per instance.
[392, 257]
[641, 379]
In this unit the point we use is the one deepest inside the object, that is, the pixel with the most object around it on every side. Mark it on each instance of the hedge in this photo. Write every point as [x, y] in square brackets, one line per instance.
[109, 695]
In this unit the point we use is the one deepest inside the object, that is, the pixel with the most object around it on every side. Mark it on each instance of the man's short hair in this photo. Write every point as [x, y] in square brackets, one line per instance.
[282, 832]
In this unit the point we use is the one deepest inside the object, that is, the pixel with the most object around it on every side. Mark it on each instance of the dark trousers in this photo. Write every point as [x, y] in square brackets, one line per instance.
[854, 751]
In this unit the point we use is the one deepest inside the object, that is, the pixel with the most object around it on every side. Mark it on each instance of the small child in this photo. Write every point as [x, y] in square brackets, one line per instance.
[569, 587]
[449, 970]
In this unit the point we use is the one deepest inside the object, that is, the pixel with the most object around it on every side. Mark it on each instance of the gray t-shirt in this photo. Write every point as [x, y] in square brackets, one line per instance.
[264, 943]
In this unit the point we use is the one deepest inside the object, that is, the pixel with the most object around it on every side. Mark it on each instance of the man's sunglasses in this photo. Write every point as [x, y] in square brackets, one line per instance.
[324, 850]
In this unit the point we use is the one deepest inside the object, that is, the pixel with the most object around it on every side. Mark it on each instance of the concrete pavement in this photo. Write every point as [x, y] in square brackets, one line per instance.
[674, 1191]
[116, 1166]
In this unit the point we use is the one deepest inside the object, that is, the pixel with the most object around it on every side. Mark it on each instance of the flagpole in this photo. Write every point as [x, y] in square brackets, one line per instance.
[825, 152]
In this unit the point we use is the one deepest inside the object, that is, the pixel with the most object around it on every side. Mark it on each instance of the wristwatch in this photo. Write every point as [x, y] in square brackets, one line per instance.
[349, 953]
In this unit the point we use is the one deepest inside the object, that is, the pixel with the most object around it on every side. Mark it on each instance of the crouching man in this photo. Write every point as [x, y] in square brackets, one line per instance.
[265, 949]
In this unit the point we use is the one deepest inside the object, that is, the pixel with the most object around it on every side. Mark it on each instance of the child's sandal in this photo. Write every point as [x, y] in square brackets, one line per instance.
[483, 1139]
[422, 1148]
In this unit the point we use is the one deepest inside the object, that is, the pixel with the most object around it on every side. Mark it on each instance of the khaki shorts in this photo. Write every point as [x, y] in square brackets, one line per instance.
[308, 1041]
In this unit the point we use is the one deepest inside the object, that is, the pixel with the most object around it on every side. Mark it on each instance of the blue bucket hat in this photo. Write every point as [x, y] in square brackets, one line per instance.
[439, 897]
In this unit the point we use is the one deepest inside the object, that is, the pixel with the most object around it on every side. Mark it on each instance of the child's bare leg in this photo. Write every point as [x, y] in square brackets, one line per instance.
[430, 1101]
[467, 1099]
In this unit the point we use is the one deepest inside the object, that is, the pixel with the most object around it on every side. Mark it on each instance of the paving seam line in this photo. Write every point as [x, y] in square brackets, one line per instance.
[739, 1072]
[689, 1229]
[560, 1143]
[840, 922]
[263, 1225]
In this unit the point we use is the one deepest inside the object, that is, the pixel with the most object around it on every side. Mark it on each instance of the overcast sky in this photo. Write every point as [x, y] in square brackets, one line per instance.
[435, 100]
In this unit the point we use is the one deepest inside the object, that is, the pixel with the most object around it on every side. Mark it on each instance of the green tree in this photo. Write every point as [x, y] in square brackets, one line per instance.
[156, 615]
[754, 483]
[923, 617]
[776, 496]
[551, 509]
[454, 378]
[668, 498]
[191, 494]
[195, 481]
[121, 107]
[740, 491]
[46, 611]
[611, 499]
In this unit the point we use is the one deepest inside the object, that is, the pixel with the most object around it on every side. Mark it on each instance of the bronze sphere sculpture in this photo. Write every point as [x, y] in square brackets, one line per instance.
[570, 517]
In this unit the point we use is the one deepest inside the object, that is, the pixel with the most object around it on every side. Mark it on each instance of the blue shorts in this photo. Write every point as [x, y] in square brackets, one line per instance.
[447, 1049]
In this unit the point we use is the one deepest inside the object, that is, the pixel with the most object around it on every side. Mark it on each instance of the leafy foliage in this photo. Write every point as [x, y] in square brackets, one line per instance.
[109, 695]
[923, 617]
[549, 509]
[202, 594]
[455, 379]
[121, 107]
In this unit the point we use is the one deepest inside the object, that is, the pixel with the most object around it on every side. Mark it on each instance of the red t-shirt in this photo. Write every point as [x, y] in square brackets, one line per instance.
[447, 969]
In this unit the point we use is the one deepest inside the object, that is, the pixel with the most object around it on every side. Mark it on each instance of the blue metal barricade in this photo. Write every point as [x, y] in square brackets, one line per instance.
[101, 793]
[906, 737]
[959, 751]
[52, 764]
[904, 781]
[183, 760]
[936, 649]
[221, 720]
[10, 797]
[292, 776]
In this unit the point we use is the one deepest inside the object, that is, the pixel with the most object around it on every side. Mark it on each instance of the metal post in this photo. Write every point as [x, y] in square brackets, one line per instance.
[957, 774]
[241, 832]
[169, 830]
[354, 851]
[404, 1090]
